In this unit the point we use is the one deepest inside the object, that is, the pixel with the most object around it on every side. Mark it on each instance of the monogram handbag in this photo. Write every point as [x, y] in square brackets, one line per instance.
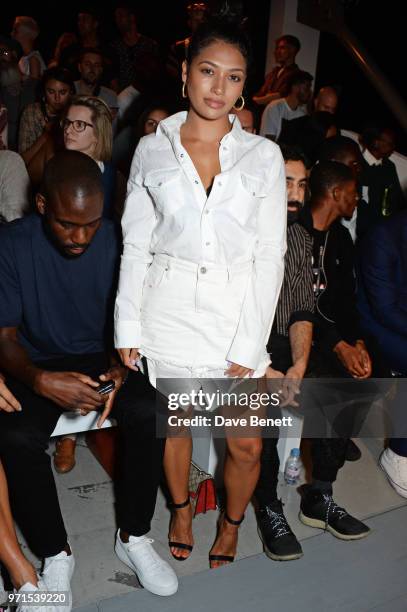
[202, 490]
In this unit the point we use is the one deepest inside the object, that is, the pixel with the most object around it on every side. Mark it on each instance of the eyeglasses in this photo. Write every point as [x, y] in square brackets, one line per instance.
[77, 124]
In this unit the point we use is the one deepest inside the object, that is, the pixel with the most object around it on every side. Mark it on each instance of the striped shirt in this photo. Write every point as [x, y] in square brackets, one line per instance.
[296, 301]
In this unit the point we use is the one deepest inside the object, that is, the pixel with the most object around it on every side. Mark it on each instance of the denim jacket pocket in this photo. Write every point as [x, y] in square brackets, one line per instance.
[165, 189]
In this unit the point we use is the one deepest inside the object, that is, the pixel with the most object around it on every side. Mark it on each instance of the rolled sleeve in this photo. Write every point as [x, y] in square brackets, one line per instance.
[249, 344]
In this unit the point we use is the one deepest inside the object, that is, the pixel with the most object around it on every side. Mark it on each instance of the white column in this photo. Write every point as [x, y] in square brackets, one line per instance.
[283, 20]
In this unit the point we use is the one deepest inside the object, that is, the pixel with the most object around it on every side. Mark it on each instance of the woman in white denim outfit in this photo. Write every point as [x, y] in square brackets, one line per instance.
[204, 240]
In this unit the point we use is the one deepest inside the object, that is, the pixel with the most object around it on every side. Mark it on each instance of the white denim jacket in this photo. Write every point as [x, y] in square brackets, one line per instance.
[168, 212]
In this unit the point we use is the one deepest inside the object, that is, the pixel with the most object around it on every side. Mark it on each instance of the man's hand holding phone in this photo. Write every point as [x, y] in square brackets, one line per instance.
[112, 380]
[70, 390]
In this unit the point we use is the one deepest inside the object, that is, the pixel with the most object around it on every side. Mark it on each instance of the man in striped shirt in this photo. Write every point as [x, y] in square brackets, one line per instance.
[289, 345]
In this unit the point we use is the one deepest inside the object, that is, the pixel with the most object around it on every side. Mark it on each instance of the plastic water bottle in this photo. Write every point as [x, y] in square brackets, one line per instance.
[293, 467]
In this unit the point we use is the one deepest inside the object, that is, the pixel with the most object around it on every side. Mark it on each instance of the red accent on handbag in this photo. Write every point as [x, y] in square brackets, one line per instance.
[202, 491]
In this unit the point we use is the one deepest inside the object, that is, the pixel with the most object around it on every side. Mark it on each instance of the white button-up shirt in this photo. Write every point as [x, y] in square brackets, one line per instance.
[168, 212]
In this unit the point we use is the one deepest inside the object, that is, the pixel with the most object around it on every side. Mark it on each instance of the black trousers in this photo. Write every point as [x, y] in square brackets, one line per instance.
[24, 439]
[266, 489]
[328, 453]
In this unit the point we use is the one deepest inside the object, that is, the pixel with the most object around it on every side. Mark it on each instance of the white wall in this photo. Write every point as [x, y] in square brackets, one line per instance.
[283, 20]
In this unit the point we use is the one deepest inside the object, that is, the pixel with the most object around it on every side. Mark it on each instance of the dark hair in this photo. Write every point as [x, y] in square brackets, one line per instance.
[227, 25]
[157, 105]
[57, 74]
[89, 9]
[326, 175]
[127, 6]
[336, 148]
[299, 78]
[71, 172]
[293, 41]
[95, 50]
[12, 45]
[293, 153]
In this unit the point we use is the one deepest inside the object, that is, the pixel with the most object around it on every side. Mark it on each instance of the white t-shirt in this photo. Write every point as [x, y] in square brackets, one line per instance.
[24, 63]
[273, 115]
[14, 187]
[125, 98]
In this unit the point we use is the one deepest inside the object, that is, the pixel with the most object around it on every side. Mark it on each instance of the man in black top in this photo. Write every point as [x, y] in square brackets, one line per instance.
[383, 195]
[338, 349]
[289, 346]
[133, 51]
[58, 275]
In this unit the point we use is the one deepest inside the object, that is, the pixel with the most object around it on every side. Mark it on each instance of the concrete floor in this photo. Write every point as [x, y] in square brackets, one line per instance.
[87, 502]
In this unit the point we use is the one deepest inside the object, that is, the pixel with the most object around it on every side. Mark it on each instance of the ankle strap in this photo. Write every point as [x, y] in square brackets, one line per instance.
[231, 521]
[183, 505]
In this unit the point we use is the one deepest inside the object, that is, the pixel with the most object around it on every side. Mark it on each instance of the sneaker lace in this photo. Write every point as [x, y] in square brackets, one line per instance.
[278, 522]
[150, 557]
[332, 508]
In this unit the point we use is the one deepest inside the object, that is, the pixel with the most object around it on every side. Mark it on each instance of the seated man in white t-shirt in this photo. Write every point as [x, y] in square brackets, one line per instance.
[290, 107]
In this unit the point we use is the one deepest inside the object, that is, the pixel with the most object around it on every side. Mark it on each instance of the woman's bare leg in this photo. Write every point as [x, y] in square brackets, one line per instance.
[177, 460]
[20, 570]
[241, 473]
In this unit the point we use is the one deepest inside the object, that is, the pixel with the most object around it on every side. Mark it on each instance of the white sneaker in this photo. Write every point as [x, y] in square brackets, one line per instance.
[30, 589]
[395, 468]
[2, 591]
[57, 575]
[154, 574]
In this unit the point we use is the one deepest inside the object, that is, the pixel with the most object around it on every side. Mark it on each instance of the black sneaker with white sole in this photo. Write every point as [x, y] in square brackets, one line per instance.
[320, 510]
[279, 542]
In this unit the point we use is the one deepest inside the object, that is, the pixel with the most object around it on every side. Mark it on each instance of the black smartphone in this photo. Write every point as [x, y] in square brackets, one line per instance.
[106, 387]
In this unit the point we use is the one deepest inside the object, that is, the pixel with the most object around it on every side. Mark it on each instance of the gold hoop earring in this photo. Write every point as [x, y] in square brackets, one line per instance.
[241, 107]
[184, 95]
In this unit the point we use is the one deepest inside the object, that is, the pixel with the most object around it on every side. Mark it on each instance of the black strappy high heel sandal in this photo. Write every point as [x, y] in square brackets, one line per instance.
[227, 558]
[172, 544]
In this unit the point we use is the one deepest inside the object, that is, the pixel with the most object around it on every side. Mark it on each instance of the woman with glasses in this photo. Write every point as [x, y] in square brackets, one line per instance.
[86, 126]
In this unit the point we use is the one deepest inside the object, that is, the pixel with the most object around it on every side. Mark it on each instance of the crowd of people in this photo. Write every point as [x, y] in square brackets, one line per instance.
[254, 240]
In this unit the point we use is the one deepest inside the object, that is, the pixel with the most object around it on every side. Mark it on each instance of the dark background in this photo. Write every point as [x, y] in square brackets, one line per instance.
[379, 26]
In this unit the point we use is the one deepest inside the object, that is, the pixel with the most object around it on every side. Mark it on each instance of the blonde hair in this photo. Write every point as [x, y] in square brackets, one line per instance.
[102, 124]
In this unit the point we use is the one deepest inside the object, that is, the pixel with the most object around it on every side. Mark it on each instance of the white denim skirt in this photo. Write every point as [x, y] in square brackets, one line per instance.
[189, 317]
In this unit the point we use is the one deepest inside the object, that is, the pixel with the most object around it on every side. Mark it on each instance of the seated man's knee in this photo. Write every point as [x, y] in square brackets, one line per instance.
[16, 440]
